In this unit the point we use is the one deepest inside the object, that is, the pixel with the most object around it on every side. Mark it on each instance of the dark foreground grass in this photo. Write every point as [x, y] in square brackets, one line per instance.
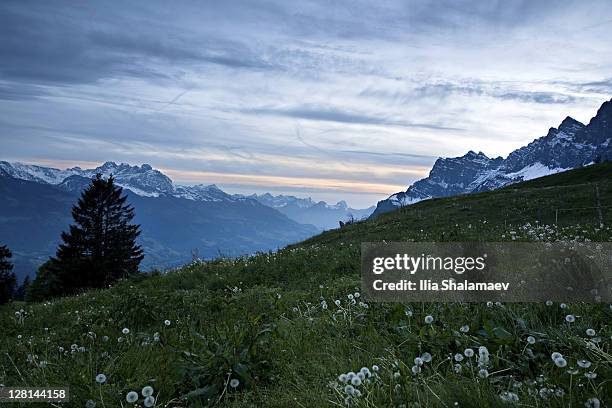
[279, 329]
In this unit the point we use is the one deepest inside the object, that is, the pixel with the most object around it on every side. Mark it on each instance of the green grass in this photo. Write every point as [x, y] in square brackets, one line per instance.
[271, 321]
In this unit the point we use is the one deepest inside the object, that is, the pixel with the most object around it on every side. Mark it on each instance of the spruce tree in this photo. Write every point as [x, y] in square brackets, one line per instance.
[100, 247]
[7, 277]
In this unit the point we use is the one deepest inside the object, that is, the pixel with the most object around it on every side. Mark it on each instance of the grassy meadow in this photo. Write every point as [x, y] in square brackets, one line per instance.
[290, 329]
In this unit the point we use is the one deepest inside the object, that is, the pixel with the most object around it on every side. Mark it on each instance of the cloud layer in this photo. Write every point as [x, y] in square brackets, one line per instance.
[329, 99]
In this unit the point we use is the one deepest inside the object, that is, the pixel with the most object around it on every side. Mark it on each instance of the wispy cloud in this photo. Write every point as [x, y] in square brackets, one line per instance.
[493, 89]
[332, 114]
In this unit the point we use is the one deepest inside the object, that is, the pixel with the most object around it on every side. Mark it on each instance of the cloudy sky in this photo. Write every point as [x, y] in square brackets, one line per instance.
[336, 100]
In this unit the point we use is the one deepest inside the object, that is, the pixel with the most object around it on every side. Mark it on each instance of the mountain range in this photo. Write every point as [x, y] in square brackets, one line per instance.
[307, 211]
[178, 222]
[571, 145]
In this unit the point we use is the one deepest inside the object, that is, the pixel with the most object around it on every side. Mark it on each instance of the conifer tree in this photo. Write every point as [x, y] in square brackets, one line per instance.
[100, 247]
[7, 277]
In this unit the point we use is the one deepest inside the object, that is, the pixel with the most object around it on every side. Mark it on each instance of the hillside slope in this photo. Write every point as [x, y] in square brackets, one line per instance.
[286, 325]
[568, 197]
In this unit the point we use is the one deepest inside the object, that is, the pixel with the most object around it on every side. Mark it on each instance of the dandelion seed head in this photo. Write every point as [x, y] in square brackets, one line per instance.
[418, 361]
[167, 322]
[90, 404]
[464, 329]
[100, 378]
[356, 381]
[426, 357]
[149, 401]
[131, 397]
[508, 396]
[560, 362]
[590, 375]
[570, 318]
[483, 373]
[556, 355]
[592, 403]
[125, 331]
[584, 363]
[458, 357]
[429, 319]
[234, 383]
[147, 391]
[366, 371]
[531, 340]
[468, 352]
[590, 332]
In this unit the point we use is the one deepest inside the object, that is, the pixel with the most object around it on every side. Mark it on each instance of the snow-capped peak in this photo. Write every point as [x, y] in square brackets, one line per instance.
[568, 146]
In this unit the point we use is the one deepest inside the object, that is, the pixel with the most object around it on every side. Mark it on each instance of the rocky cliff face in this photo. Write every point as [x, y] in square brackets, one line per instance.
[568, 146]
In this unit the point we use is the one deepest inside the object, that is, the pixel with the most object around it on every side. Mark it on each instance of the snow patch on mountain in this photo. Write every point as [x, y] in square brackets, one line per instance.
[534, 171]
[569, 146]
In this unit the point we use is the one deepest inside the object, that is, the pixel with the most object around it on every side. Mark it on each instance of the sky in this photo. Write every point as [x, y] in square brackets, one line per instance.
[337, 100]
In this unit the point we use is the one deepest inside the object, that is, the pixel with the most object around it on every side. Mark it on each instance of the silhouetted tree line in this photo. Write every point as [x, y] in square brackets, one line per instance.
[98, 249]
